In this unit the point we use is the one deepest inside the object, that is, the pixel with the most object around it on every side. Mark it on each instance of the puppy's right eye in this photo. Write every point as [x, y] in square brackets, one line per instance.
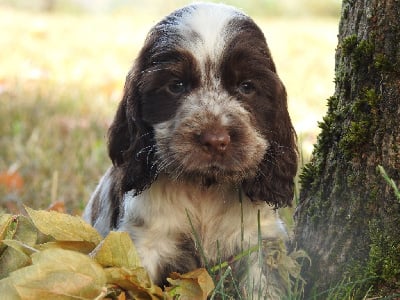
[246, 88]
[177, 87]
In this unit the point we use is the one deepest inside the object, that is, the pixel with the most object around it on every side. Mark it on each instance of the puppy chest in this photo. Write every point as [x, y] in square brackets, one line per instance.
[174, 221]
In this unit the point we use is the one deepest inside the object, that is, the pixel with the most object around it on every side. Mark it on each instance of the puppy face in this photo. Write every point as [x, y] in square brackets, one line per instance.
[204, 103]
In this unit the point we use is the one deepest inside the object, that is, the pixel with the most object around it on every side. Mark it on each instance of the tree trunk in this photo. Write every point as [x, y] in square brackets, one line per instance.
[348, 218]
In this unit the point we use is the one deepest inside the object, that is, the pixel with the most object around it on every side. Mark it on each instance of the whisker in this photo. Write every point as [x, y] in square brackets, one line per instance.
[143, 150]
[152, 150]
[143, 135]
[162, 162]
[155, 70]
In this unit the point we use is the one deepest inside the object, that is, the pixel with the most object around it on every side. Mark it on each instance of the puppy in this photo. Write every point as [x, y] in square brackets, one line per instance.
[201, 145]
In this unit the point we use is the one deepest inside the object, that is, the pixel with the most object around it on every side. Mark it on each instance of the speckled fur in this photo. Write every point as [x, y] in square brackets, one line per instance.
[176, 196]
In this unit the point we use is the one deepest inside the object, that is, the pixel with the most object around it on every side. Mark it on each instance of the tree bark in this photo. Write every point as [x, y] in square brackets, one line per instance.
[348, 217]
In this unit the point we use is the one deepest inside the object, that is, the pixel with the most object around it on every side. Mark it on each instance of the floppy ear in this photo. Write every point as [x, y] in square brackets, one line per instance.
[274, 182]
[130, 141]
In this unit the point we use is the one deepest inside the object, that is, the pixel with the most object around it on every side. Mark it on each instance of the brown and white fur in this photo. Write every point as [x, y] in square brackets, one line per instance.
[201, 142]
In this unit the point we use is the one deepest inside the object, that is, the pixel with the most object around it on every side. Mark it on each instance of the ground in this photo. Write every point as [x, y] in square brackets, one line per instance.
[62, 77]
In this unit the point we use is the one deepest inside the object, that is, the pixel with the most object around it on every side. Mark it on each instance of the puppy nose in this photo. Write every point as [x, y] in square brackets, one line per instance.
[215, 140]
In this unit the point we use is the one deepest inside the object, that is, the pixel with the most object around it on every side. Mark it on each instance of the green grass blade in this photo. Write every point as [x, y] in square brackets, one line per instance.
[389, 181]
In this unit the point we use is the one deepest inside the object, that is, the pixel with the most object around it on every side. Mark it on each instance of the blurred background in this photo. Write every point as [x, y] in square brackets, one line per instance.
[63, 65]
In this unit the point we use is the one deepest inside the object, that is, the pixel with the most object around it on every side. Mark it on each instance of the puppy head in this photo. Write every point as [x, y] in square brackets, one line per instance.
[203, 103]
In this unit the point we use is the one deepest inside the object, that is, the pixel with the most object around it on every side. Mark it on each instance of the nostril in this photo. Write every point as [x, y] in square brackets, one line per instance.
[215, 140]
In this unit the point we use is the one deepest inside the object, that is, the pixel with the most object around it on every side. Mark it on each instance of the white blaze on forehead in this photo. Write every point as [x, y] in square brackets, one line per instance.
[206, 28]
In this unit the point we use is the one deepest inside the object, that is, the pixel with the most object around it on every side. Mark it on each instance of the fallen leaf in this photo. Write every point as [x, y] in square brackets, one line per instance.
[63, 227]
[122, 296]
[195, 285]
[8, 290]
[56, 274]
[22, 229]
[11, 260]
[18, 230]
[45, 257]
[136, 282]
[58, 206]
[11, 180]
[117, 250]
[82, 247]
[5, 221]
[20, 247]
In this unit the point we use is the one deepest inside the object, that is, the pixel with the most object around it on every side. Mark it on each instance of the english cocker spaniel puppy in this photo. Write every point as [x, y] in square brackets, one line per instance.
[202, 146]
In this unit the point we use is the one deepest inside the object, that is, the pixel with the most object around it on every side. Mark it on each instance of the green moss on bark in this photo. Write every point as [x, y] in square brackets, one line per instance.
[359, 51]
[330, 132]
[384, 259]
[348, 219]
[358, 135]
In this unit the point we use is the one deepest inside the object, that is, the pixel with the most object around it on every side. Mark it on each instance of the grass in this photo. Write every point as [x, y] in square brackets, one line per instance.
[62, 77]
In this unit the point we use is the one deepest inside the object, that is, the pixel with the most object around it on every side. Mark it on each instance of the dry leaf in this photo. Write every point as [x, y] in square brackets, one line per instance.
[56, 274]
[117, 250]
[5, 221]
[22, 230]
[63, 227]
[11, 180]
[136, 282]
[20, 247]
[121, 296]
[287, 266]
[7, 289]
[195, 285]
[82, 247]
[11, 260]
[58, 206]
[44, 267]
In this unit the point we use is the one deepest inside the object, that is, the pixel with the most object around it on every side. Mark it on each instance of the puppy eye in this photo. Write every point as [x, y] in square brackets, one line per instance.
[246, 88]
[177, 87]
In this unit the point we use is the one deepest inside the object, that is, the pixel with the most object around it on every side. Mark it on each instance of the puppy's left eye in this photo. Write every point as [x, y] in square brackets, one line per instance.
[246, 88]
[177, 87]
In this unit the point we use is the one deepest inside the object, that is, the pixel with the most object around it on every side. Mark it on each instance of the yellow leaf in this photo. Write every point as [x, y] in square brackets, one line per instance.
[11, 260]
[136, 282]
[5, 221]
[19, 230]
[117, 250]
[8, 290]
[57, 274]
[195, 285]
[63, 227]
[20, 247]
[82, 247]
